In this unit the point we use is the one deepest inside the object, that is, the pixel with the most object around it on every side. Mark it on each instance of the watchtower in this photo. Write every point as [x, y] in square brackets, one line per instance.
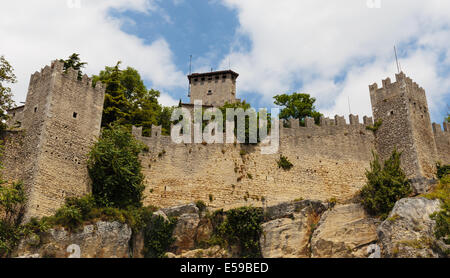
[61, 119]
[213, 88]
[402, 107]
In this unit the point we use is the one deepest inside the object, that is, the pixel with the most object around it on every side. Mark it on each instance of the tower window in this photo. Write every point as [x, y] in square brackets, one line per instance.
[196, 79]
[75, 115]
[217, 77]
[35, 109]
[209, 92]
[224, 76]
[203, 79]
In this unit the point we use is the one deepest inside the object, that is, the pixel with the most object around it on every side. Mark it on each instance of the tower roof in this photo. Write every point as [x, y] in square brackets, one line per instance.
[212, 73]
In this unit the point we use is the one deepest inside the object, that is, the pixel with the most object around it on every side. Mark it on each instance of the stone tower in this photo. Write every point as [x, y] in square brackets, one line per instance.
[213, 88]
[61, 119]
[402, 107]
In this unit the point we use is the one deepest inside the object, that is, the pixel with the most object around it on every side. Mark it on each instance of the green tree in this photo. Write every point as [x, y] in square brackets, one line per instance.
[127, 100]
[297, 106]
[117, 107]
[6, 102]
[245, 106]
[115, 169]
[74, 62]
[385, 185]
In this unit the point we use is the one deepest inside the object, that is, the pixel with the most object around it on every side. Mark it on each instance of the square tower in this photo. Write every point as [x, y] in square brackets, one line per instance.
[402, 107]
[61, 119]
[213, 88]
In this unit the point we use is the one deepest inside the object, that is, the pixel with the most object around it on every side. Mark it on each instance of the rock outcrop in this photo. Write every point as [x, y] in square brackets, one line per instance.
[408, 230]
[287, 233]
[344, 231]
[100, 240]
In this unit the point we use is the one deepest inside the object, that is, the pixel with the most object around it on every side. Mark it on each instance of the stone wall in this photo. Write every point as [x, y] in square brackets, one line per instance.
[231, 175]
[442, 139]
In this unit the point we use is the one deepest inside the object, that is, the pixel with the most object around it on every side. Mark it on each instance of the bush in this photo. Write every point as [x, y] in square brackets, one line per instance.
[115, 169]
[385, 186]
[442, 218]
[442, 170]
[158, 236]
[240, 227]
[284, 163]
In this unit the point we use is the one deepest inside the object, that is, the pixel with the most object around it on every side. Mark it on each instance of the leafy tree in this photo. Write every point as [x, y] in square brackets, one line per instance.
[74, 62]
[115, 169]
[245, 106]
[128, 102]
[297, 106]
[385, 185]
[6, 102]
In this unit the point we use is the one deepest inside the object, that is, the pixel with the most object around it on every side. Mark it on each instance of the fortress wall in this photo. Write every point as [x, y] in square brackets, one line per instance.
[442, 139]
[329, 161]
[14, 155]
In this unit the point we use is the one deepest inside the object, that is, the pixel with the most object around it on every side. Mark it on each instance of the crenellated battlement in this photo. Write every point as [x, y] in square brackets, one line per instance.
[57, 69]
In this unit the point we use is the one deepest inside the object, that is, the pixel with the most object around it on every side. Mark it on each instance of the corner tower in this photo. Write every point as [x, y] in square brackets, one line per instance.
[61, 119]
[402, 107]
[213, 88]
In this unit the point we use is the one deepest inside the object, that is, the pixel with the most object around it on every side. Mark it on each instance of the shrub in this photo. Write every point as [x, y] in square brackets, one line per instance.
[158, 236]
[442, 218]
[115, 169]
[241, 227]
[442, 170]
[385, 185]
[375, 127]
[200, 205]
[284, 163]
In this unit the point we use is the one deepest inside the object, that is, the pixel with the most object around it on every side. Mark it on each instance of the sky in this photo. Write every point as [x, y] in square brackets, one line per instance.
[329, 49]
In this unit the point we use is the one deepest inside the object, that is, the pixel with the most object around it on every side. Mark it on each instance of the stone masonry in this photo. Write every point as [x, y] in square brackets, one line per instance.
[52, 133]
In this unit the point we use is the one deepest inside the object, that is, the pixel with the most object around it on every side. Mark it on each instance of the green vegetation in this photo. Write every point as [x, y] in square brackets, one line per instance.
[129, 102]
[284, 163]
[239, 227]
[375, 127]
[200, 205]
[442, 192]
[297, 106]
[115, 169]
[74, 62]
[442, 170]
[385, 186]
[158, 236]
[6, 101]
[80, 211]
[245, 106]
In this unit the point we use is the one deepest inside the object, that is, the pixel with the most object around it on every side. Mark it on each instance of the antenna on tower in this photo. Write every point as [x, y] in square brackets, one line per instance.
[396, 59]
[349, 109]
[190, 64]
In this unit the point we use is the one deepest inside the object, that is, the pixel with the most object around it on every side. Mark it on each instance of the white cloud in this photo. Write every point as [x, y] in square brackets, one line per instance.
[312, 42]
[35, 32]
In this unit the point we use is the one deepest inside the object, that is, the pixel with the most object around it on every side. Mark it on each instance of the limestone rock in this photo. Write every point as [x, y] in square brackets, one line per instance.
[179, 210]
[343, 231]
[288, 209]
[408, 230]
[213, 252]
[288, 234]
[185, 232]
[101, 240]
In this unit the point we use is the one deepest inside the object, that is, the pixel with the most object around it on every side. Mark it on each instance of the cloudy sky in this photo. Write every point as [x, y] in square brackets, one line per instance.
[330, 49]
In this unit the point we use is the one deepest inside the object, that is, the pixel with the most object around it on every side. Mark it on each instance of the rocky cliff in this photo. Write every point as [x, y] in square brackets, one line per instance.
[298, 229]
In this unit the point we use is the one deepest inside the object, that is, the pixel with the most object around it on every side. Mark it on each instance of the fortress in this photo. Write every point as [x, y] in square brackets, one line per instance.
[51, 135]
